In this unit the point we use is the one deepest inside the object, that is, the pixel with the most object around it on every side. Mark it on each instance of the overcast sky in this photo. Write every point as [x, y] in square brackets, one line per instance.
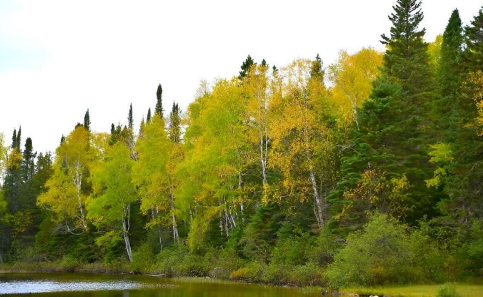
[59, 58]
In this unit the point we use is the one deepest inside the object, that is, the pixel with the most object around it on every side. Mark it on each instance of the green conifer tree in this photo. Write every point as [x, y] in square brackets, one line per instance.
[395, 123]
[175, 124]
[159, 101]
[87, 121]
[247, 64]
[130, 119]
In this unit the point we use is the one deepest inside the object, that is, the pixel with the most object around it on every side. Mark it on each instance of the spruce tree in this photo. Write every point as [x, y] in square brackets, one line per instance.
[130, 119]
[406, 59]
[245, 68]
[473, 55]
[159, 101]
[28, 162]
[450, 70]
[395, 123]
[87, 121]
[464, 188]
[18, 142]
[148, 117]
[175, 124]
[14, 139]
[450, 75]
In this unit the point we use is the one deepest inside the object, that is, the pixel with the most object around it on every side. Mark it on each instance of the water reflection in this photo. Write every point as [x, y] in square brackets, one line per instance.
[76, 285]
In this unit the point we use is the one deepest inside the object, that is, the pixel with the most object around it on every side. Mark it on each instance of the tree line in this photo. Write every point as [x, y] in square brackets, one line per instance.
[273, 163]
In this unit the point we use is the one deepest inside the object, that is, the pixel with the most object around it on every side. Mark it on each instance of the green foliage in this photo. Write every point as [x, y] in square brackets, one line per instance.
[383, 252]
[448, 290]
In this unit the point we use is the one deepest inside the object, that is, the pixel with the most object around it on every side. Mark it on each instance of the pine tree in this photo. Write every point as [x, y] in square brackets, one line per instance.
[395, 122]
[148, 117]
[87, 121]
[264, 64]
[14, 139]
[28, 162]
[473, 55]
[450, 74]
[130, 119]
[175, 124]
[450, 69]
[159, 101]
[406, 60]
[245, 68]
[316, 70]
[18, 142]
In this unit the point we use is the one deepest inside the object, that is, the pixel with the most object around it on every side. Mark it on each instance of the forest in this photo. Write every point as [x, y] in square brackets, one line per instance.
[368, 171]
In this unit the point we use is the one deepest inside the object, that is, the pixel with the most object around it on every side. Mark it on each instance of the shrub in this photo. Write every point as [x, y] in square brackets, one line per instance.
[383, 252]
[448, 290]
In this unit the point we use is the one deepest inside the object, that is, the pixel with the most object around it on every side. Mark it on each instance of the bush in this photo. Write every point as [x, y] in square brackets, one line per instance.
[143, 259]
[448, 290]
[383, 252]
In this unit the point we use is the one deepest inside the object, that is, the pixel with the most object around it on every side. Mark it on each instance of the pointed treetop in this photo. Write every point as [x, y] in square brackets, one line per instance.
[14, 138]
[450, 70]
[316, 70]
[474, 43]
[175, 124]
[245, 68]
[130, 119]
[406, 60]
[159, 101]
[264, 64]
[148, 117]
[62, 139]
[87, 121]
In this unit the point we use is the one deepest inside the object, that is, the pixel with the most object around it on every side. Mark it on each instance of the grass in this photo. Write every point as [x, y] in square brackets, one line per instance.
[465, 290]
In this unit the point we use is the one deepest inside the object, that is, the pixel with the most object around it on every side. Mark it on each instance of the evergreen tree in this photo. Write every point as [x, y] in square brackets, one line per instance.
[245, 68]
[159, 101]
[175, 124]
[87, 121]
[148, 117]
[14, 139]
[450, 75]
[406, 60]
[264, 64]
[18, 142]
[316, 70]
[62, 138]
[130, 119]
[473, 56]
[28, 162]
[395, 123]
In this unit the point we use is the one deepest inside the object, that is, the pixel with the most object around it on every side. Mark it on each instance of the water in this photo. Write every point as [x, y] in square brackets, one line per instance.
[74, 285]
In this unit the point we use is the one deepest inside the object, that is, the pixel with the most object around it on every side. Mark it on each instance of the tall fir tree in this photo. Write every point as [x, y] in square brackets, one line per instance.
[87, 121]
[28, 162]
[130, 119]
[159, 101]
[175, 124]
[245, 68]
[148, 117]
[450, 75]
[395, 123]
[473, 55]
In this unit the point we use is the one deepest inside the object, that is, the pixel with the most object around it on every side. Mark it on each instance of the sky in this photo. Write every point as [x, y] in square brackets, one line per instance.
[60, 58]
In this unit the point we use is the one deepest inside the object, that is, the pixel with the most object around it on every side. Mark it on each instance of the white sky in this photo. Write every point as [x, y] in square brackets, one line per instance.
[58, 58]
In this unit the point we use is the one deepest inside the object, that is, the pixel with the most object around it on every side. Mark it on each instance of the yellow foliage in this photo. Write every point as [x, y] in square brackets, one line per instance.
[352, 78]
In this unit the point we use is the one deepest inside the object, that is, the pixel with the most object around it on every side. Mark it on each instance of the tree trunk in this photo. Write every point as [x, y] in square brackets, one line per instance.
[78, 186]
[153, 215]
[173, 219]
[125, 230]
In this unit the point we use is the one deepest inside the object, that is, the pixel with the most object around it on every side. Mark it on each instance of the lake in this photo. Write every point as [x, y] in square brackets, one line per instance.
[73, 285]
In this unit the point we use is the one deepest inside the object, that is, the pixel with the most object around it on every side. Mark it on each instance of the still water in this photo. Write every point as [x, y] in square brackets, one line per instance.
[74, 285]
